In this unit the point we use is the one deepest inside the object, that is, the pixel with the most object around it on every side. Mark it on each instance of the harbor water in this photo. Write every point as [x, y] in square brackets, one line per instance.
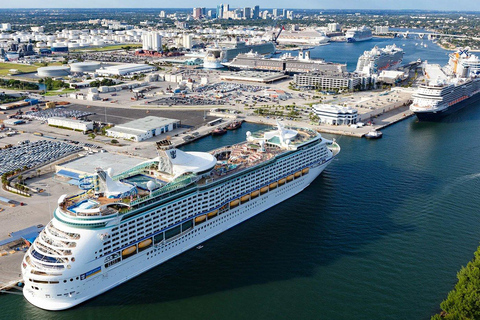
[379, 235]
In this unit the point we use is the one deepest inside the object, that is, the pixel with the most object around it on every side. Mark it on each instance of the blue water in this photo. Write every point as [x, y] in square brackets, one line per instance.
[379, 235]
[343, 52]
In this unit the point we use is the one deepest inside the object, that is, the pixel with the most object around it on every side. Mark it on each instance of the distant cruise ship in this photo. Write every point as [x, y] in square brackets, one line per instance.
[218, 55]
[129, 223]
[378, 59]
[286, 63]
[358, 34]
[448, 89]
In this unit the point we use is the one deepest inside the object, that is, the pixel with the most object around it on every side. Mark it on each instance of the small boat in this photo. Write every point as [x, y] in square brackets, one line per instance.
[219, 132]
[373, 134]
[234, 125]
[199, 247]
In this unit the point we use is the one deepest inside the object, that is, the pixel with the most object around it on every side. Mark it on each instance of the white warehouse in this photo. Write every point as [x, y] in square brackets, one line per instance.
[74, 124]
[125, 69]
[143, 129]
[335, 115]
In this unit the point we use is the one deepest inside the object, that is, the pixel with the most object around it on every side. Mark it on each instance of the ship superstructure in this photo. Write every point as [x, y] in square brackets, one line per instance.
[221, 54]
[131, 222]
[378, 59]
[448, 89]
[358, 34]
[285, 63]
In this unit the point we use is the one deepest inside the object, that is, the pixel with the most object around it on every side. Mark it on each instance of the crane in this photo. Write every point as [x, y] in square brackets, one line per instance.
[275, 36]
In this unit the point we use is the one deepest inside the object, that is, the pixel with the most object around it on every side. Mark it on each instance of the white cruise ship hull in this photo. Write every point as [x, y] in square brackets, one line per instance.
[70, 294]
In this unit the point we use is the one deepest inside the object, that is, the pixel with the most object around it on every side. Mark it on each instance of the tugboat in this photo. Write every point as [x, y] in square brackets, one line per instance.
[234, 125]
[219, 131]
[373, 134]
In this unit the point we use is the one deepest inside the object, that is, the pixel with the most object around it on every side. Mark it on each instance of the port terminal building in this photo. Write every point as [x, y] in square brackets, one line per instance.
[144, 128]
[335, 115]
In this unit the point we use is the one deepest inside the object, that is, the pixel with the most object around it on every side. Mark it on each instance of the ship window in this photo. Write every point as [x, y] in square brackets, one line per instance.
[172, 232]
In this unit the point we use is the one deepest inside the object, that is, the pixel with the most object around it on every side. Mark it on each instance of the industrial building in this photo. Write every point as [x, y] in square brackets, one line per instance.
[73, 124]
[53, 71]
[334, 80]
[335, 115]
[143, 129]
[125, 69]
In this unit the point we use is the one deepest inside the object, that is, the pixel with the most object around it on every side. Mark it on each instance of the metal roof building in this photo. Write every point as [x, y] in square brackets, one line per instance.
[144, 128]
[126, 69]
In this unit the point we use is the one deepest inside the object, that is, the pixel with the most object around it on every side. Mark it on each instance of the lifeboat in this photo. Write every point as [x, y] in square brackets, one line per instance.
[264, 190]
[298, 174]
[212, 214]
[254, 194]
[281, 182]
[305, 171]
[290, 178]
[144, 243]
[129, 251]
[273, 185]
[245, 198]
[234, 203]
[200, 219]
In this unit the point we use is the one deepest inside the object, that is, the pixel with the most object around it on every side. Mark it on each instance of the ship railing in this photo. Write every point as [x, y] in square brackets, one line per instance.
[168, 189]
[135, 170]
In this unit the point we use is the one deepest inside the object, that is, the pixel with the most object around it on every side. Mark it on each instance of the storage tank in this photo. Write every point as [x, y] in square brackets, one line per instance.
[53, 71]
[82, 67]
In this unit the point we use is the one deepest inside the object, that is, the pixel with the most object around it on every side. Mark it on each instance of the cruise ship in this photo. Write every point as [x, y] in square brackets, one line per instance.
[286, 63]
[358, 34]
[378, 59]
[128, 223]
[448, 89]
[217, 55]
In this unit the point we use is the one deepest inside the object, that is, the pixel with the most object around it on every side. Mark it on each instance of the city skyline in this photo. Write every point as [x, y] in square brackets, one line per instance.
[301, 4]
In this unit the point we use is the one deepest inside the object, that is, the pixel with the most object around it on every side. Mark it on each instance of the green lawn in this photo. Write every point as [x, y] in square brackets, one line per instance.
[58, 92]
[23, 68]
[108, 48]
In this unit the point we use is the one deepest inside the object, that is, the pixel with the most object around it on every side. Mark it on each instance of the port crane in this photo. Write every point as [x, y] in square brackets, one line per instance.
[276, 35]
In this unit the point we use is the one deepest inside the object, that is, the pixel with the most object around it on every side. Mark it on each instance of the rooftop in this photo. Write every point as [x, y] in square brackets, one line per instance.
[144, 124]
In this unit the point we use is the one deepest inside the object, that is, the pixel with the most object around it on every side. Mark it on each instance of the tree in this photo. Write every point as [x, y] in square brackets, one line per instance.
[463, 302]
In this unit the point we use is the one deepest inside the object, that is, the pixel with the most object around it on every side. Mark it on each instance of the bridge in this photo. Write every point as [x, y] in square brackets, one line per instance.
[430, 35]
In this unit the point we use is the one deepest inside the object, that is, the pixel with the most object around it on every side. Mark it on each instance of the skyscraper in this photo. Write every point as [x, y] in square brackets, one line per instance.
[256, 12]
[247, 13]
[220, 11]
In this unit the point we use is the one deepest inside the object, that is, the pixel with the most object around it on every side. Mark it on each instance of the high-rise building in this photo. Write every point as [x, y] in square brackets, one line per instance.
[220, 11]
[256, 12]
[247, 13]
[152, 41]
[265, 14]
[197, 13]
[333, 27]
[187, 41]
[290, 15]
[275, 13]
[284, 12]
[162, 14]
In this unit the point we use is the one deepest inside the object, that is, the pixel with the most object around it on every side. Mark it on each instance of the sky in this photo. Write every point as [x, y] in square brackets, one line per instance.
[470, 5]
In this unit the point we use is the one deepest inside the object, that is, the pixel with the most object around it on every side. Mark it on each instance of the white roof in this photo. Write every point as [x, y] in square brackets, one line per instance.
[333, 108]
[195, 162]
[143, 125]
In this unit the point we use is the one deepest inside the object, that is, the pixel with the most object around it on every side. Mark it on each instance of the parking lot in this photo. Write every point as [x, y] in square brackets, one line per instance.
[33, 154]
[43, 115]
